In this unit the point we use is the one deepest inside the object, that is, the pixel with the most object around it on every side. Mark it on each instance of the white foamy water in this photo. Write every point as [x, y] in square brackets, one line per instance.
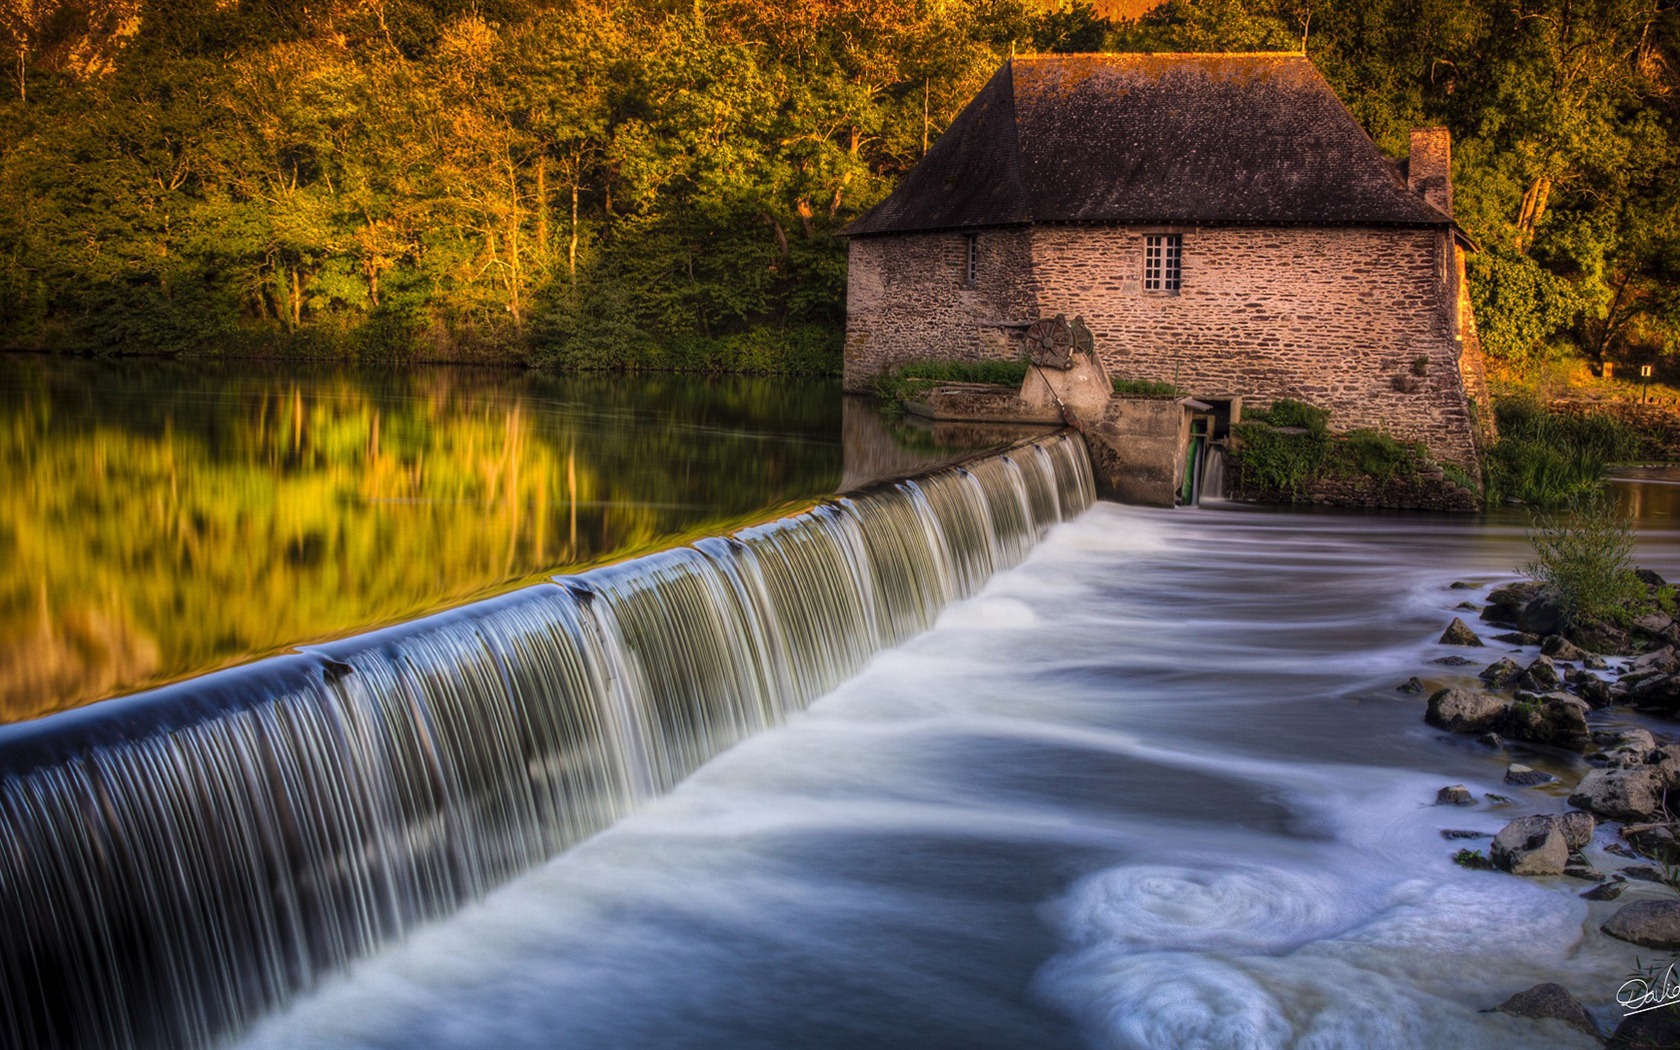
[1155, 788]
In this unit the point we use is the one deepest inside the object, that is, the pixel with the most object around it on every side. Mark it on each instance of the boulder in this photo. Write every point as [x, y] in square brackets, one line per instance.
[1524, 776]
[1607, 891]
[1506, 603]
[1544, 612]
[1518, 638]
[1549, 1002]
[1649, 924]
[1584, 872]
[1531, 846]
[1468, 607]
[1501, 672]
[1560, 648]
[1621, 794]
[1459, 633]
[1492, 741]
[1663, 661]
[1650, 578]
[1598, 637]
[1555, 719]
[1413, 684]
[1658, 841]
[1577, 829]
[1657, 1029]
[1541, 676]
[1655, 625]
[1591, 688]
[1454, 660]
[1595, 663]
[1624, 738]
[1653, 691]
[1466, 710]
[1454, 795]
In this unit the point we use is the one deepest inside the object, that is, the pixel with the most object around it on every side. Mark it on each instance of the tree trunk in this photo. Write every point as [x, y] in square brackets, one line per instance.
[542, 207]
[571, 247]
[926, 87]
[1533, 210]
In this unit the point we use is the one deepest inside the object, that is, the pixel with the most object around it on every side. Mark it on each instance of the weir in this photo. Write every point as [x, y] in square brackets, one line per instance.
[179, 862]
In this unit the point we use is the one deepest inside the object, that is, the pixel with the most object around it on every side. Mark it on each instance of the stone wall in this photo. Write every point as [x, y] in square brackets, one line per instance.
[908, 299]
[1364, 322]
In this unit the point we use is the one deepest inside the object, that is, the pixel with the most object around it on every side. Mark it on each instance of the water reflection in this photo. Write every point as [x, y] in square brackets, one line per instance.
[161, 520]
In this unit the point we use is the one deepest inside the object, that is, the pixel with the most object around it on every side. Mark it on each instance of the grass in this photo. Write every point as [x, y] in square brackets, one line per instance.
[1144, 388]
[1546, 459]
[910, 379]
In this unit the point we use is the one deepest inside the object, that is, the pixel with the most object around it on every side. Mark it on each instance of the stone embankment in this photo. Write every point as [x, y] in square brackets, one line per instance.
[1568, 690]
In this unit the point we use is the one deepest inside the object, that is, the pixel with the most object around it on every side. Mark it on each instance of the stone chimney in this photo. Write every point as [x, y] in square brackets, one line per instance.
[1429, 167]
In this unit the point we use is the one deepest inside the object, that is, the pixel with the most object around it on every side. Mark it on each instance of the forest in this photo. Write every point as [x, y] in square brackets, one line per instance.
[658, 185]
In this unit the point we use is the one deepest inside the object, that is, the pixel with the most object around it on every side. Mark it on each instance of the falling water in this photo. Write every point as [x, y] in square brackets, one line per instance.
[179, 862]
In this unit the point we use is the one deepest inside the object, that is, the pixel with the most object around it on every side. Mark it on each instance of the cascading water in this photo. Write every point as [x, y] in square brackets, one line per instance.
[177, 863]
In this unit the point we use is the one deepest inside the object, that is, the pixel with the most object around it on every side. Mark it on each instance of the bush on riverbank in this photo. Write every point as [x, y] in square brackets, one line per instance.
[803, 350]
[1586, 553]
[1548, 459]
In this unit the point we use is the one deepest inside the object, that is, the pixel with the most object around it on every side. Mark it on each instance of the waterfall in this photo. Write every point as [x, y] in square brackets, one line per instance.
[179, 862]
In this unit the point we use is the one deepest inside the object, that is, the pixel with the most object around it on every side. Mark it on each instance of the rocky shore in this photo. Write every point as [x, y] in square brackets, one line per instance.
[1564, 697]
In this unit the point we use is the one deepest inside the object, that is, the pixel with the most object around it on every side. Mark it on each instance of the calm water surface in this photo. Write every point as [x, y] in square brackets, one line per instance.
[1155, 788]
[160, 520]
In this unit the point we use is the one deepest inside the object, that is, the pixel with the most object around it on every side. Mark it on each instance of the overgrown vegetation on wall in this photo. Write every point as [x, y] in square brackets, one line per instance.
[656, 185]
[1284, 450]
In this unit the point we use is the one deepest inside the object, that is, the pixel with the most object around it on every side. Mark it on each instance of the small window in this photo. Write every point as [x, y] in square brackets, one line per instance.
[1162, 255]
[971, 265]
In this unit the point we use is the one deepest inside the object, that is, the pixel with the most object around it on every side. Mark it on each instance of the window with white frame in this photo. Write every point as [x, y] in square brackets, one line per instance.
[1163, 255]
[971, 264]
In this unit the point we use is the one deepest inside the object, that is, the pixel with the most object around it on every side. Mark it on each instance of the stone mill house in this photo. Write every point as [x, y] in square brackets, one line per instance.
[1221, 222]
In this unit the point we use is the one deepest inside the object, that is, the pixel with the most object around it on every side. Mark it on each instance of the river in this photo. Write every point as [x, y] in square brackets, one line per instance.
[1154, 787]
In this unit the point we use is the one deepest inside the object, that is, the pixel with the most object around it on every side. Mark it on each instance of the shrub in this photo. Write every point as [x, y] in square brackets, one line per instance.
[1379, 455]
[1587, 554]
[1278, 460]
[910, 379]
[1287, 412]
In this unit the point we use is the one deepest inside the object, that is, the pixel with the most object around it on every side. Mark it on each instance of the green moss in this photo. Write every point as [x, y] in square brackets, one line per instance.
[1473, 859]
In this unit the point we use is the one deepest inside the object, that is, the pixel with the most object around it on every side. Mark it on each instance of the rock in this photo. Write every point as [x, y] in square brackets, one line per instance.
[1663, 661]
[1468, 607]
[1452, 661]
[1592, 689]
[1544, 612]
[1541, 676]
[1518, 638]
[1523, 776]
[1584, 872]
[1640, 873]
[1459, 633]
[1657, 1029]
[1620, 850]
[1650, 578]
[1501, 672]
[1498, 800]
[1451, 834]
[1531, 846]
[1506, 603]
[1608, 891]
[1657, 841]
[1649, 924]
[1653, 624]
[1621, 794]
[1625, 738]
[1463, 585]
[1653, 691]
[1577, 829]
[1413, 684]
[1556, 719]
[1455, 795]
[1491, 740]
[1595, 663]
[1466, 710]
[1597, 637]
[1549, 1002]
[1560, 648]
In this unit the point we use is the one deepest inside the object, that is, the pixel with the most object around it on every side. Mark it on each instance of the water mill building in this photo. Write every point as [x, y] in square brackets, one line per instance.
[1220, 221]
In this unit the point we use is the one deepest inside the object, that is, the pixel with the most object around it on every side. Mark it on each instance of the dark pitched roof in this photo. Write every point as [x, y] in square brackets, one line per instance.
[1181, 139]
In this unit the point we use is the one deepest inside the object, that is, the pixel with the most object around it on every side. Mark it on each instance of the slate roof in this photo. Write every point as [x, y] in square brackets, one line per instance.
[1167, 139]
